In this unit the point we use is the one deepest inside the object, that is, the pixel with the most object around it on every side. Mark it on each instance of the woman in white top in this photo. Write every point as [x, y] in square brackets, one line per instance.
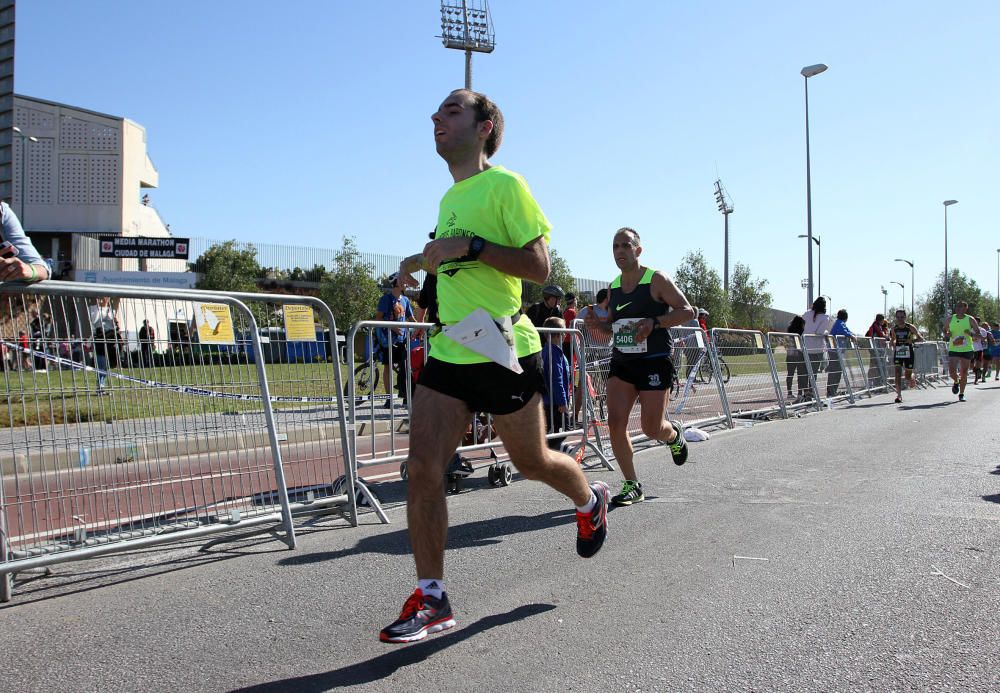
[817, 326]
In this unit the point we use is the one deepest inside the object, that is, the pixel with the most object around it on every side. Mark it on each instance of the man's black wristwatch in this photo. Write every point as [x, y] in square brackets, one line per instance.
[476, 246]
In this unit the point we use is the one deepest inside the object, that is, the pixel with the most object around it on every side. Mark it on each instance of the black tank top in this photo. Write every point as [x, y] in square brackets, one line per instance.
[640, 304]
[903, 334]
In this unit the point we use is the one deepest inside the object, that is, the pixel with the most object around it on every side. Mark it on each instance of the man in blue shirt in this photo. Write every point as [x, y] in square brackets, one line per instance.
[394, 306]
[19, 261]
[839, 329]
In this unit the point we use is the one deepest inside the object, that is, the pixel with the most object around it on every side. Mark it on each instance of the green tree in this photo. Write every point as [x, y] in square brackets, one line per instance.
[751, 301]
[227, 267]
[350, 289]
[932, 305]
[559, 274]
[702, 287]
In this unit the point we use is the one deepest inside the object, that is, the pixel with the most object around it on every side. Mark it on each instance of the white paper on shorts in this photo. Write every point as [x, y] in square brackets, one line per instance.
[481, 333]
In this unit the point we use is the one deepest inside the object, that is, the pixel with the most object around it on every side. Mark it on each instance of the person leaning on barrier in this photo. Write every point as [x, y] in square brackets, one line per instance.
[839, 329]
[19, 261]
[795, 363]
[817, 326]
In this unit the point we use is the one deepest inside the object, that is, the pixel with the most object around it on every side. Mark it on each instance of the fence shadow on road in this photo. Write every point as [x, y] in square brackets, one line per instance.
[993, 498]
[935, 405]
[385, 665]
[69, 582]
[468, 535]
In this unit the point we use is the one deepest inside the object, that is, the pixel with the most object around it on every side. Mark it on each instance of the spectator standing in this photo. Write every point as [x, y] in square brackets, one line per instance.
[548, 307]
[394, 306]
[878, 328]
[593, 338]
[839, 329]
[557, 378]
[795, 363]
[147, 338]
[569, 315]
[817, 325]
[23, 358]
[104, 326]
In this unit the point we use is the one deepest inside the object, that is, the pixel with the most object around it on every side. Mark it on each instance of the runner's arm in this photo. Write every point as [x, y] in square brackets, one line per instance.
[920, 337]
[665, 291]
[529, 262]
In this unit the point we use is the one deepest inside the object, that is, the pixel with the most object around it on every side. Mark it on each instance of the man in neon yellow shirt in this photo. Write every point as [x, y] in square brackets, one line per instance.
[961, 330]
[490, 234]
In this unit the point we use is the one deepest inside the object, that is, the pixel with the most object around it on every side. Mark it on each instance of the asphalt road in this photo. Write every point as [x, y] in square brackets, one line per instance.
[848, 550]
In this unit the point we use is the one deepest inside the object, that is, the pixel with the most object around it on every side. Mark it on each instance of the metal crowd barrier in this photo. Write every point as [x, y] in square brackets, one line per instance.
[789, 356]
[753, 389]
[103, 452]
[378, 419]
[925, 363]
[699, 398]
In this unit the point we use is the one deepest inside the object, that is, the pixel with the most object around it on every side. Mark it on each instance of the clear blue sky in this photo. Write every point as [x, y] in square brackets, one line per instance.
[305, 121]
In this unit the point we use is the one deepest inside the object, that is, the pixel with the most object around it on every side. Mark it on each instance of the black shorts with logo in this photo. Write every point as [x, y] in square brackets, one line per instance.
[906, 362]
[650, 373]
[486, 387]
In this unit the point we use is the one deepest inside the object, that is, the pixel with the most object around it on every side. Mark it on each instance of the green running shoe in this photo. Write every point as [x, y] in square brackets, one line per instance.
[678, 448]
[631, 493]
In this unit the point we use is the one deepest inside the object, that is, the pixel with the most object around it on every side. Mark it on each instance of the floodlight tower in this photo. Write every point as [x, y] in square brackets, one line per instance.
[725, 206]
[467, 27]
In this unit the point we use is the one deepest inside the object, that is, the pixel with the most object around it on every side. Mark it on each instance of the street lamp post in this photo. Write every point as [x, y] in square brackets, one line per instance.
[998, 289]
[912, 303]
[902, 293]
[807, 72]
[947, 280]
[24, 171]
[819, 262]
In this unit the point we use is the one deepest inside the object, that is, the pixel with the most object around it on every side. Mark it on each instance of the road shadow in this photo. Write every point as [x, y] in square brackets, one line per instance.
[996, 471]
[385, 665]
[468, 535]
[935, 405]
[31, 587]
[992, 498]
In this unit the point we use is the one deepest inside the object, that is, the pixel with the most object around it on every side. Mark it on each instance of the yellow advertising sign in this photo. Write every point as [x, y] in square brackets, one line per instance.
[299, 324]
[215, 323]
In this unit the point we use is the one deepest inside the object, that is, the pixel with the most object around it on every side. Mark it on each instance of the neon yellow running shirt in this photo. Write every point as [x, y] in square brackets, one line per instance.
[496, 205]
[958, 327]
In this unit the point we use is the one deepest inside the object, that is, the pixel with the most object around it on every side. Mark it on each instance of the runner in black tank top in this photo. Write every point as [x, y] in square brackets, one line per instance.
[902, 336]
[644, 305]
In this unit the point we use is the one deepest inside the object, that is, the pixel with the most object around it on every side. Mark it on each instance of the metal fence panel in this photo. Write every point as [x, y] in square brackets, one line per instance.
[752, 389]
[698, 395]
[102, 450]
[793, 369]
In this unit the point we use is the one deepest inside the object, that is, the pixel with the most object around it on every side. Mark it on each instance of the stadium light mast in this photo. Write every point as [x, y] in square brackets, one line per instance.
[885, 300]
[467, 27]
[725, 206]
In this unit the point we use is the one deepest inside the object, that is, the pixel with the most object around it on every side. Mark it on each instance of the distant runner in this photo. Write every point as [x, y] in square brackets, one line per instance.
[644, 304]
[902, 336]
[960, 331]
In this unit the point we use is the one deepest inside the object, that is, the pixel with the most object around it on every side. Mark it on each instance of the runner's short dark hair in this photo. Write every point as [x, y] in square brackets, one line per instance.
[630, 230]
[487, 110]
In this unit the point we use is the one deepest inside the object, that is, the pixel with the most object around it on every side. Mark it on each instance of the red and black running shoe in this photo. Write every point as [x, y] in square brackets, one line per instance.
[421, 616]
[592, 527]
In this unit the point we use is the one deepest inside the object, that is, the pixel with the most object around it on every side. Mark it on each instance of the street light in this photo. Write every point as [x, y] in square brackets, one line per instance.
[885, 300]
[912, 304]
[807, 72]
[819, 263]
[467, 29]
[947, 281]
[24, 170]
[725, 206]
[903, 294]
[998, 289]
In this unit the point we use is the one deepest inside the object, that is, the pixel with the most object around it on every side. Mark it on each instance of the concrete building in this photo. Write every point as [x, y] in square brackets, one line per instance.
[76, 173]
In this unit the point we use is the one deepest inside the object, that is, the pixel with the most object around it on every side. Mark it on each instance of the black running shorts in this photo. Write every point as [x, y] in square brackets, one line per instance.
[486, 387]
[967, 355]
[904, 363]
[653, 373]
